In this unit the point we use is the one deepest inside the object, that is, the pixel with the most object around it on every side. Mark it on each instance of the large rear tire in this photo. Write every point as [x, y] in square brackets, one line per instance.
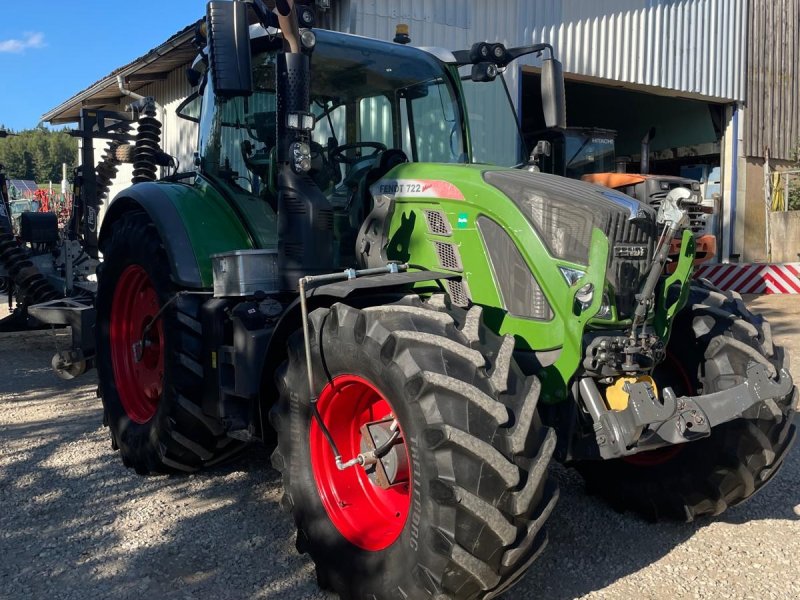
[152, 402]
[713, 341]
[469, 519]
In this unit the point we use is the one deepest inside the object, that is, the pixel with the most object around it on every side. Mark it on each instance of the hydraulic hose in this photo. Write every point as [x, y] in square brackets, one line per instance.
[32, 285]
[106, 170]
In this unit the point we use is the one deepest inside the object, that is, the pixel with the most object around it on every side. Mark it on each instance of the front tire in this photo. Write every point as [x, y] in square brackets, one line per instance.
[152, 394]
[714, 339]
[469, 519]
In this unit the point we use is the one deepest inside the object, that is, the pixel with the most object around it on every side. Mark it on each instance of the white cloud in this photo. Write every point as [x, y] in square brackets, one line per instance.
[29, 40]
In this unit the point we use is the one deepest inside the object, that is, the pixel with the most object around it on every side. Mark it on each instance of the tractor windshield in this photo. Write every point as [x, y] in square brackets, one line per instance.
[367, 97]
[493, 125]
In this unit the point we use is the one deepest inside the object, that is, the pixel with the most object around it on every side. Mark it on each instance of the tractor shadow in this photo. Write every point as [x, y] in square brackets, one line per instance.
[76, 523]
[592, 546]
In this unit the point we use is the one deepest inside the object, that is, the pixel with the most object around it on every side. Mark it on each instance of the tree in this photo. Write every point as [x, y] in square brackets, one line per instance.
[38, 154]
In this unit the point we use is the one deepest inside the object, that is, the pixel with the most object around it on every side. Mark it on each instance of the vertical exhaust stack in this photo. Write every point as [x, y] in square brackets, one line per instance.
[305, 217]
[644, 166]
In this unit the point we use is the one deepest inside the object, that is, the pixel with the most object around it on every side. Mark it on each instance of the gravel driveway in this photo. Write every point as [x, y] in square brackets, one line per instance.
[74, 523]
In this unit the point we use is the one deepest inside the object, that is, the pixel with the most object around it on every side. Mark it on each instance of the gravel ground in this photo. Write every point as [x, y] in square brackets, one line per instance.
[74, 523]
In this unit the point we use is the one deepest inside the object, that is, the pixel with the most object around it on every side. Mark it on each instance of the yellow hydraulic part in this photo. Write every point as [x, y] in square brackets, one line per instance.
[617, 397]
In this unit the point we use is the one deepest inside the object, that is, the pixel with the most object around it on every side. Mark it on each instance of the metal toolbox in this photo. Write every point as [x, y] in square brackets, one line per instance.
[245, 272]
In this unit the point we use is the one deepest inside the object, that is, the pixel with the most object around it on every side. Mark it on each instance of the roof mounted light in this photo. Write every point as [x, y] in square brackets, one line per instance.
[401, 34]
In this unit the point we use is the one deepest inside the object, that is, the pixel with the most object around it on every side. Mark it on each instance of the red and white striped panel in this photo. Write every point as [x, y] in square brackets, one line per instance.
[752, 278]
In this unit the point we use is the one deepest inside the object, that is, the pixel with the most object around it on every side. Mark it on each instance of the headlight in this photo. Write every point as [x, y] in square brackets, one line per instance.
[584, 296]
[605, 308]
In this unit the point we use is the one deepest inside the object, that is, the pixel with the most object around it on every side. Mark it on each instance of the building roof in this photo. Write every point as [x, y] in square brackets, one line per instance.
[153, 66]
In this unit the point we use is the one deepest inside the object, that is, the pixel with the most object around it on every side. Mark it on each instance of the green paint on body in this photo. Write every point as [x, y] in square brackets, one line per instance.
[411, 240]
[556, 379]
[211, 223]
[666, 311]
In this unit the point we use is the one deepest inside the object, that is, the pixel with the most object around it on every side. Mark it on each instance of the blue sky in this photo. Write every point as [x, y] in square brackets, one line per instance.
[52, 49]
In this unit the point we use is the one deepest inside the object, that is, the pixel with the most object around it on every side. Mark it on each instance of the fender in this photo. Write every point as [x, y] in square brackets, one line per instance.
[183, 215]
[361, 292]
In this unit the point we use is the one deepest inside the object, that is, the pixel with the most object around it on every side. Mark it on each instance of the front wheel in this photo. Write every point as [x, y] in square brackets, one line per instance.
[456, 509]
[714, 340]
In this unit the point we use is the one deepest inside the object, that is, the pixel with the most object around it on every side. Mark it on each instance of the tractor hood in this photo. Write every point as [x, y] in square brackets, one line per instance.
[564, 211]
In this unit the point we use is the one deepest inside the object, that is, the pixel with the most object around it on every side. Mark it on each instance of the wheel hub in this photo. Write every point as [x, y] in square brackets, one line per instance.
[137, 344]
[391, 468]
[367, 504]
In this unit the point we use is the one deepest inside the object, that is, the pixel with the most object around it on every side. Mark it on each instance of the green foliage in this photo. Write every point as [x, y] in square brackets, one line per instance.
[794, 193]
[794, 182]
[37, 154]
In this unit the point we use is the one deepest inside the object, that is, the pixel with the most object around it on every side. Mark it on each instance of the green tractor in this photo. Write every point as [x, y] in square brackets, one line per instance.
[418, 335]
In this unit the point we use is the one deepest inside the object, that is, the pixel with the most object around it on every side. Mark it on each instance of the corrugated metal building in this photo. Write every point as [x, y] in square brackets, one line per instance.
[630, 64]
[687, 50]
[693, 47]
[771, 118]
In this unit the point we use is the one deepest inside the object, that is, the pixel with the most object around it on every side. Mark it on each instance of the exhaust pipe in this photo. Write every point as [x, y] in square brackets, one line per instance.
[644, 166]
[305, 236]
[288, 24]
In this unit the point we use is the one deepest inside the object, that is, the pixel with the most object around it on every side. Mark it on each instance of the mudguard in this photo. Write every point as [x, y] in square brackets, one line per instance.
[194, 222]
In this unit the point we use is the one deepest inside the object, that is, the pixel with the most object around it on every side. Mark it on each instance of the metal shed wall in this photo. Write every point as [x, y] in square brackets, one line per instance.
[693, 47]
[772, 116]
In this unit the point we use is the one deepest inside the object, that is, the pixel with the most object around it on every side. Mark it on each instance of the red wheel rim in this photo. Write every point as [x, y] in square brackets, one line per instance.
[139, 379]
[367, 515]
[661, 456]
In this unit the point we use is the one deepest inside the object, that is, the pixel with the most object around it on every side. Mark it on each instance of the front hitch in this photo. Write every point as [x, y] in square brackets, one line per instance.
[650, 422]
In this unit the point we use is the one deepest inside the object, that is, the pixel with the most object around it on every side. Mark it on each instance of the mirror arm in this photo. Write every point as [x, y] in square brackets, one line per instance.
[466, 57]
[513, 54]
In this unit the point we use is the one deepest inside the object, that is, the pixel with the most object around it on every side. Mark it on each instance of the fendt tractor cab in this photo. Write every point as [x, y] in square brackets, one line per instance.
[420, 334]
[588, 153]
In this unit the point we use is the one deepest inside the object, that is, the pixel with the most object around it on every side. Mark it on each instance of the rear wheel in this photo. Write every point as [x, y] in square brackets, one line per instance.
[149, 358]
[459, 507]
[716, 338]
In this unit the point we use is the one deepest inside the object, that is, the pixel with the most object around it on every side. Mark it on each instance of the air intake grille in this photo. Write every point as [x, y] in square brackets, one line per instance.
[449, 257]
[459, 292]
[437, 223]
[625, 274]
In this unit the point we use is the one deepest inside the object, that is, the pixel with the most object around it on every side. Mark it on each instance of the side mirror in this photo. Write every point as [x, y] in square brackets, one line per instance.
[229, 44]
[189, 109]
[554, 104]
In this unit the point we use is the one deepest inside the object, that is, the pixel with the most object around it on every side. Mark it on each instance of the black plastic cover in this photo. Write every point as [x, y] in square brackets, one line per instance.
[229, 42]
[519, 290]
[38, 228]
[305, 229]
[554, 104]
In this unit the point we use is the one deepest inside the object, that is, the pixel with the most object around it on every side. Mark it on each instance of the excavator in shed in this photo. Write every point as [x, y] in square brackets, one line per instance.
[416, 334]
